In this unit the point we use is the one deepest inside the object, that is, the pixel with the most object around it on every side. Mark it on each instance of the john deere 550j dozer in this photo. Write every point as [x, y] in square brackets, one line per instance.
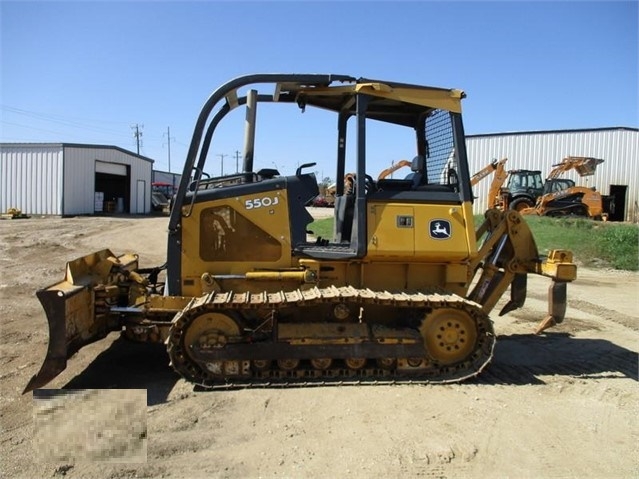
[402, 290]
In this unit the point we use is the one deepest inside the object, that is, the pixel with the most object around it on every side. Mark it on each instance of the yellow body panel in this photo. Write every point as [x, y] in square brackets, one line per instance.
[420, 232]
[402, 251]
[233, 236]
[385, 275]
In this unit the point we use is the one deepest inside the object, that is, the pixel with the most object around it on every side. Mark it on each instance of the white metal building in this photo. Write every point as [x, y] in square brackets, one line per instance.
[617, 176]
[73, 179]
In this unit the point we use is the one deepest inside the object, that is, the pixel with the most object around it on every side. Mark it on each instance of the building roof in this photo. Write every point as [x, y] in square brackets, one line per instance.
[543, 132]
[79, 145]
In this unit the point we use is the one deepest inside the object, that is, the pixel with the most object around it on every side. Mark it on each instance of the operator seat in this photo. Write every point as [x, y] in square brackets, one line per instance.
[417, 166]
[344, 211]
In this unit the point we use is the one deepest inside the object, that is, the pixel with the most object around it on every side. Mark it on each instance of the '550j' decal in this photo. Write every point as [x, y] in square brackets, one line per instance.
[264, 202]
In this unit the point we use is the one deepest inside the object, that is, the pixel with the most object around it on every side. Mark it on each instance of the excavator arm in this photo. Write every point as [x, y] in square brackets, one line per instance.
[394, 167]
[499, 178]
[585, 166]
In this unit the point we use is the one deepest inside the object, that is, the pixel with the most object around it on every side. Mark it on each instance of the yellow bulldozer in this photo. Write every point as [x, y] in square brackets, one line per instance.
[401, 292]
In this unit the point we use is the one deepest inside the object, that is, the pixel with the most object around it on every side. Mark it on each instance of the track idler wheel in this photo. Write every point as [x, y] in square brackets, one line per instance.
[450, 335]
[205, 330]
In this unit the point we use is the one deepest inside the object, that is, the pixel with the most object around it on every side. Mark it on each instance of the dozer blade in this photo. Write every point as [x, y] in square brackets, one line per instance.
[77, 308]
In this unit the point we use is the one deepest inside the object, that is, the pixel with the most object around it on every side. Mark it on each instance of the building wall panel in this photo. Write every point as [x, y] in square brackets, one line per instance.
[618, 147]
[31, 178]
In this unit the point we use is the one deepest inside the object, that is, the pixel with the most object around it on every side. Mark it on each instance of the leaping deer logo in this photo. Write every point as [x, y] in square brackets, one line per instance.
[440, 229]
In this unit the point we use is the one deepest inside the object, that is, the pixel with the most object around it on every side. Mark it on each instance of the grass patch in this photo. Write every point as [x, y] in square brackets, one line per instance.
[619, 245]
[323, 228]
[593, 243]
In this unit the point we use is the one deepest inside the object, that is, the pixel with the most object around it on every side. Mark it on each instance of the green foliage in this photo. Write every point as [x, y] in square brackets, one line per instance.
[619, 245]
[323, 228]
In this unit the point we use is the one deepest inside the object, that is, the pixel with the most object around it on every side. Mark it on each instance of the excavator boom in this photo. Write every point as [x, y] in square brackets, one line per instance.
[585, 166]
[498, 169]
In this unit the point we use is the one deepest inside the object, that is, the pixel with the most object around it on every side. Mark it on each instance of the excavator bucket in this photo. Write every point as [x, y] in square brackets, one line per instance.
[587, 166]
[77, 308]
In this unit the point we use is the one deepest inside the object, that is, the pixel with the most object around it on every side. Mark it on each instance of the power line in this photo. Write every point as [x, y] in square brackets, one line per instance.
[29, 127]
[56, 116]
[68, 121]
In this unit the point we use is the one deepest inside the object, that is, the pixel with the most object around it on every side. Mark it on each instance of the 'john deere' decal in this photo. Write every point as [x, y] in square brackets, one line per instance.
[439, 229]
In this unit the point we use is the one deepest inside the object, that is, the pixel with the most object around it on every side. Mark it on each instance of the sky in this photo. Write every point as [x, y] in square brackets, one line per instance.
[89, 72]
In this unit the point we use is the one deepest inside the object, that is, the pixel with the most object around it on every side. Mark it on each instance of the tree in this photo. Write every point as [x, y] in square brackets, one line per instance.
[324, 184]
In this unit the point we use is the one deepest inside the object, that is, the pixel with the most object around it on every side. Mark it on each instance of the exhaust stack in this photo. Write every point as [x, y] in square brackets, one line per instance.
[249, 130]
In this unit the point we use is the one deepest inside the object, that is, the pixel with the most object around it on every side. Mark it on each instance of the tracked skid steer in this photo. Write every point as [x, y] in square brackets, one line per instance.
[402, 291]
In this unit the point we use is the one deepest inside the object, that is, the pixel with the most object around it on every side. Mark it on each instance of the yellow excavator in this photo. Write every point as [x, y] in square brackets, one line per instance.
[401, 292]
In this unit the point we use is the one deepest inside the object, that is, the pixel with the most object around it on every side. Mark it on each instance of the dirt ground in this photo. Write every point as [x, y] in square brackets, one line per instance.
[564, 404]
[87, 425]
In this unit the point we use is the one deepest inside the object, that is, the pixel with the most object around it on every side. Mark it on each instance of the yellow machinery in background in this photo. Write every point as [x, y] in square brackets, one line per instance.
[498, 170]
[561, 197]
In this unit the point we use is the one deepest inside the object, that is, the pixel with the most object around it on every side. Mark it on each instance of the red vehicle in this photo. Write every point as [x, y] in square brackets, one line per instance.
[321, 202]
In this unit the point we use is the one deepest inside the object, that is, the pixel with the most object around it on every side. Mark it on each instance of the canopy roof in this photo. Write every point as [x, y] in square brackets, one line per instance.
[391, 102]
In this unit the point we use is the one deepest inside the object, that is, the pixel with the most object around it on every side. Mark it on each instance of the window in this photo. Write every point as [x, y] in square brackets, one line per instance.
[440, 148]
[226, 235]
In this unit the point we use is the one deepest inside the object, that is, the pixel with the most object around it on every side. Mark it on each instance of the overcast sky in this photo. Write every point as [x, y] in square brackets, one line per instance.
[86, 72]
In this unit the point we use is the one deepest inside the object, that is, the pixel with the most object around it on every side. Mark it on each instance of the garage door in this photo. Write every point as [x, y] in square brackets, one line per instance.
[110, 168]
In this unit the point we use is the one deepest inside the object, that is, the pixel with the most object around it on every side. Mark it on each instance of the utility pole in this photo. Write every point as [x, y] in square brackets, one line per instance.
[168, 140]
[137, 134]
[237, 161]
[222, 158]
